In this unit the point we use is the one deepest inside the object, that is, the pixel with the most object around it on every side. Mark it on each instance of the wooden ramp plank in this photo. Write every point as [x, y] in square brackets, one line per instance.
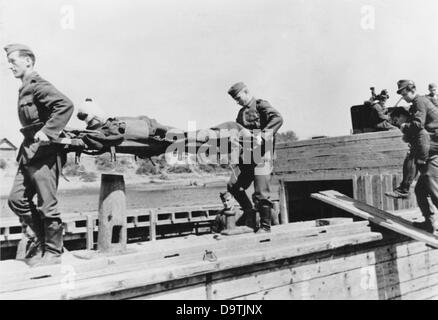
[377, 216]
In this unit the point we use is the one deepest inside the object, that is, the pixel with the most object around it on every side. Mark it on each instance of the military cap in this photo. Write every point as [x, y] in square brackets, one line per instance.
[236, 88]
[432, 85]
[402, 84]
[15, 47]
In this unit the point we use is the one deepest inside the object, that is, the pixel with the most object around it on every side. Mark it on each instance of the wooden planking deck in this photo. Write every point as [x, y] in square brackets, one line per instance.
[341, 263]
[192, 248]
[129, 277]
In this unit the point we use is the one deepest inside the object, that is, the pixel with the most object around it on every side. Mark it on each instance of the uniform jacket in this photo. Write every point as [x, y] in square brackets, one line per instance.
[379, 118]
[40, 102]
[432, 99]
[259, 114]
[424, 115]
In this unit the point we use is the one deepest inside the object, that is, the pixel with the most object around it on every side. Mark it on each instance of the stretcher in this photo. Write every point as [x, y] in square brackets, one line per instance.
[144, 137]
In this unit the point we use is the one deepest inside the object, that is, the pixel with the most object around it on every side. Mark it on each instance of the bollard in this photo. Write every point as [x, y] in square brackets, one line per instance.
[112, 234]
[230, 224]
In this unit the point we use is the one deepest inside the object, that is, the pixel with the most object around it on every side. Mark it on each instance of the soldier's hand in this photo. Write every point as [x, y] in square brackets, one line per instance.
[258, 139]
[41, 137]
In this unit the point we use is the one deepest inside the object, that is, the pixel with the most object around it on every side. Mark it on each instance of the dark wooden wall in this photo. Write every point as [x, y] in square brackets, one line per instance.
[371, 161]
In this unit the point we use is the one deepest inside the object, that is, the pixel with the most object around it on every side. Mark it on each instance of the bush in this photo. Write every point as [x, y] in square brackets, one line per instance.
[104, 163]
[3, 164]
[163, 176]
[145, 167]
[123, 164]
[180, 169]
[208, 168]
[88, 176]
[72, 169]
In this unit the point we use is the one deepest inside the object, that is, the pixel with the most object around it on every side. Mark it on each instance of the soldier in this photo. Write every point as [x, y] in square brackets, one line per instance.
[43, 112]
[379, 116]
[262, 122]
[424, 115]
[432, 96]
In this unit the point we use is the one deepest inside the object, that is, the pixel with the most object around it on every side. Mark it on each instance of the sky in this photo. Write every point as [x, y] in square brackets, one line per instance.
[175, 60]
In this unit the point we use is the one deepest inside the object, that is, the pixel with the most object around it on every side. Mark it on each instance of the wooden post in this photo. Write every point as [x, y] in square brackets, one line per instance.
[90, 232]
[368, 190]
[355, 189]
[388, 204]
[275, 213]
[112, 235]
[284, 217]
[152, 225]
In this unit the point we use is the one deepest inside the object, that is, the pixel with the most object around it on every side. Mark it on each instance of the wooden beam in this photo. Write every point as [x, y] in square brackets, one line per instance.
[112, 233]
[284, 219]
[377, 216]
[153, 225]
[90, 233]
[138, 278]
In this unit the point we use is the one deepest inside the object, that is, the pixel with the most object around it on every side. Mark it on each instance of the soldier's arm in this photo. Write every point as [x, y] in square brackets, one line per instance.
[61, 108]
[275, 120]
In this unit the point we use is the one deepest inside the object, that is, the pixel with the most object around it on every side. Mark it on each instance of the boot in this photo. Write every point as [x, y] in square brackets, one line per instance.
[34, 235]
[428, 225]
[251, 220]
[265, 219]
[398, 193]
[53, 246]
[244, 218]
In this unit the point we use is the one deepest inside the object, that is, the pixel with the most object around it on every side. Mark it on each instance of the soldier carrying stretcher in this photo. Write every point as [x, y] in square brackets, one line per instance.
[43, 112]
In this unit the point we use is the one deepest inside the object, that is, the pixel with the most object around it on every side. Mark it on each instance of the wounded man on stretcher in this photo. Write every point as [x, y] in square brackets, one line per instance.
[145, 137]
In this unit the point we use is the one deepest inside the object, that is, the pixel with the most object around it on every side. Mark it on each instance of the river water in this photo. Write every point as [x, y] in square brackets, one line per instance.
[138, 196]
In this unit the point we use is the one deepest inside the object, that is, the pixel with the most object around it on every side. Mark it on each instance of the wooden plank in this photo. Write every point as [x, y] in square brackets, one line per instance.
[380, 217]
[419, 288]
[284, 212]
[368, 190]
[339, 286]
[153, 225]
[290, 175]
[376, 182]
[384, 258]
[343, 154]
[188, 293]
[185, 252]
[90, 233]
[398, 204]
[356, 283]
[390, 135]
[128, 280]
[361, 188]
[354, 181]
[388, 203]
[289, 231]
